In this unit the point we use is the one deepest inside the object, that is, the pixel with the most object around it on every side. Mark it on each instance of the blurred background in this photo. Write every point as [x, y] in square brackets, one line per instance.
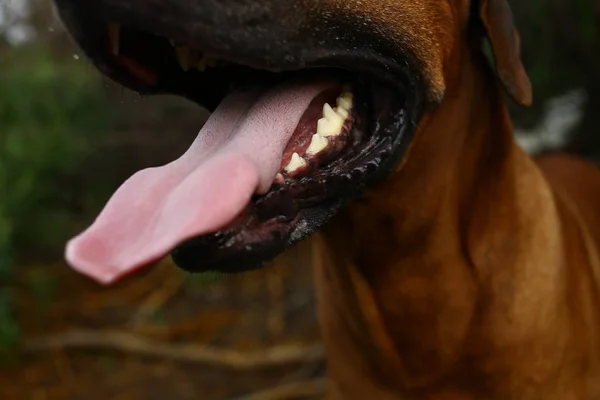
[69, 137]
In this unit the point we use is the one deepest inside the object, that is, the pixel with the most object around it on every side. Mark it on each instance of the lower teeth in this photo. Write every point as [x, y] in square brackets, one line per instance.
[329, 126]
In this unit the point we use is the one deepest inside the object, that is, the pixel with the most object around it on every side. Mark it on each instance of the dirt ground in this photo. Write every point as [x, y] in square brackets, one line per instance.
[165, 334]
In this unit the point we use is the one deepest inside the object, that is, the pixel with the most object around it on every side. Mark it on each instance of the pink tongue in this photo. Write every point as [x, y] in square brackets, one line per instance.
[237, 153]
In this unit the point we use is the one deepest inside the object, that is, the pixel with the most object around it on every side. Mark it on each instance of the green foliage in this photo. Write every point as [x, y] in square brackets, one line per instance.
[9, 330]
[556, 37]
[48, 110]
[43, 287]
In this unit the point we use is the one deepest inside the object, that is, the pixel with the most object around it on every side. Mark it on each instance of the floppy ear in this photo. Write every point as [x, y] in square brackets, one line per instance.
[497, 19]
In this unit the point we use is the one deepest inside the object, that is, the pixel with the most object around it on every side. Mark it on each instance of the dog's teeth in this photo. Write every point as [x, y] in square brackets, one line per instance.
[331, 126]
[206, 62]
[317, 144]
[202, 65]
[211, 62]
[331, 115]
[323, 128]
[184, 57]
[342, 112]
[194, 57]
[295, 163]
[333, 119]
[345, 101]
[326, 127]
[279, 178]
[114, 35]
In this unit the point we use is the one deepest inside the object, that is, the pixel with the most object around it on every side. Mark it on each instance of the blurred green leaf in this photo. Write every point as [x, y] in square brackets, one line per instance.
[49, 110]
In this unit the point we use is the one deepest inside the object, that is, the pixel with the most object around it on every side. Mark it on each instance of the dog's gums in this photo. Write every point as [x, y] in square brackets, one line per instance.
[283, 151]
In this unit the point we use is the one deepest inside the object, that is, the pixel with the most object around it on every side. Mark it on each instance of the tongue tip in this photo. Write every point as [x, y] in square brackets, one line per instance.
[98, 271]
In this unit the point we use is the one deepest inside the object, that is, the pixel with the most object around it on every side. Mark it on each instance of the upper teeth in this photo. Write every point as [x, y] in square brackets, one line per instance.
[114, 36]
[186, 57]
[206, 62]
[189, 58]
[331, 124]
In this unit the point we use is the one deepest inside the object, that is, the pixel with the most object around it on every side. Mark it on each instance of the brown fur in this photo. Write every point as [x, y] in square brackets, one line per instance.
[472, 272]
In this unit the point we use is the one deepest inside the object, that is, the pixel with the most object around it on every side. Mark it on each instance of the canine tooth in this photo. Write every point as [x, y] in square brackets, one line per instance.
[114, 35]
[201, 65]
[184, 57]
[194, 57]
[211, 62]
[317, 144]
[327, 127]
[295, 163]
[206, 62]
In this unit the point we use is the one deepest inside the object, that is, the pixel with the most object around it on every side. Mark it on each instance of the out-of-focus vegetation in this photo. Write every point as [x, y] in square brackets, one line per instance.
[50, 109]
[561, 50]
[49, 112]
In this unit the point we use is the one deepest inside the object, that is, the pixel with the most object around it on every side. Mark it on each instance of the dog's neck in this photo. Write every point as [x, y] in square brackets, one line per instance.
[402, 274]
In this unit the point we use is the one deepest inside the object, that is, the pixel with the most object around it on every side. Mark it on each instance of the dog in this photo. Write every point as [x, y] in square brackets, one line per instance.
[449, 264]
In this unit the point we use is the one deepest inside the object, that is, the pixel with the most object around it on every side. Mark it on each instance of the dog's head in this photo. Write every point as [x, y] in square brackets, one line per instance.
[314, 101]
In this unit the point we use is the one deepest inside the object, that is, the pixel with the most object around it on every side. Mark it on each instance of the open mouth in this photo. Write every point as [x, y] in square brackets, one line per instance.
[282, 152]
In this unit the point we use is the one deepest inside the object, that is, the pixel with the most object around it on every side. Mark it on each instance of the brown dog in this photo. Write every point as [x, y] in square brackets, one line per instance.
[469, 272]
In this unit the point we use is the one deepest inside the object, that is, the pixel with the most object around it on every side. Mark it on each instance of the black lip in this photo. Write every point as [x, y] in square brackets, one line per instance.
[257, 240]
[249, 245]
[252, 39]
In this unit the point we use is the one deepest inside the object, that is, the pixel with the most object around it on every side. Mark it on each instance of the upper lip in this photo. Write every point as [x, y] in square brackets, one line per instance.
[90, 28]
[91, 21]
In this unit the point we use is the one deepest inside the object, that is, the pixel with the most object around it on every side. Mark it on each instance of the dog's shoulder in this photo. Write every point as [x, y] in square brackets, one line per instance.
[577, 181]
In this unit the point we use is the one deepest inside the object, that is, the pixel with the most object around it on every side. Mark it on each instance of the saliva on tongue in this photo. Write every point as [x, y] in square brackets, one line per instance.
[236, 154]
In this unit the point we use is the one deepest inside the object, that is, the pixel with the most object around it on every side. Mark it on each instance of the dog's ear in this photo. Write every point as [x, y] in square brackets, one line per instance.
[502, 34]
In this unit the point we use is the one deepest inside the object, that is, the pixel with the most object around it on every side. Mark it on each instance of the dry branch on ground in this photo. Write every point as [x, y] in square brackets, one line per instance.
[130, 343]
[293, 390]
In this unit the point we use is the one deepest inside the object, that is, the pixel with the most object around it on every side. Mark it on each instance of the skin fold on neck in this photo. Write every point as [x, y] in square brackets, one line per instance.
[433, 284]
